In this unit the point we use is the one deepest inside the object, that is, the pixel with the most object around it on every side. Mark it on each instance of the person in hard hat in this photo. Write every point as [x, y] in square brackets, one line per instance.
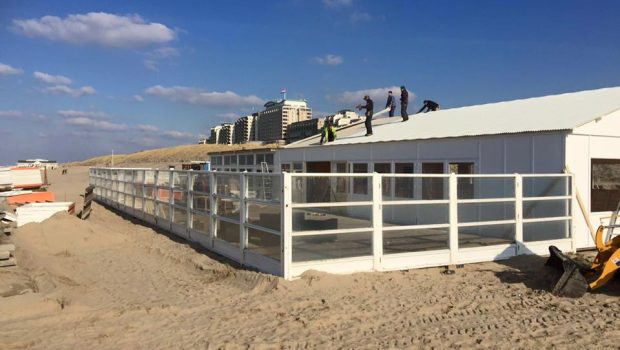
[391, 103]
[369, 110]
[328, 134]
[429, 106]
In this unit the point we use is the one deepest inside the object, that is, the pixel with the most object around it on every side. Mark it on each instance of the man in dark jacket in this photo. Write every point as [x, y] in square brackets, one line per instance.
[404, 102]
[369, 109]
[391, 103]
[429, 106]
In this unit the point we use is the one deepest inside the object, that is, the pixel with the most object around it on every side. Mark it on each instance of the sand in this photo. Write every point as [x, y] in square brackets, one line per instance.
[113, 283]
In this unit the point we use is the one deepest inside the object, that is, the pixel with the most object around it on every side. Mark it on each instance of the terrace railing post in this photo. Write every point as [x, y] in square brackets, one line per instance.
[377, 221]
[286, 239]
[243, 230]
[519, 213]
[170, 198]
[573, 212]
[213, 211]
[453, 239]
[188, 205]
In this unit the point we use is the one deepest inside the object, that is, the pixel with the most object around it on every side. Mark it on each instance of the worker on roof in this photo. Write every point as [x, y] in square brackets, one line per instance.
[369, 110]
[404, 102]
[328, 134]
[429, 106]
[391, 103]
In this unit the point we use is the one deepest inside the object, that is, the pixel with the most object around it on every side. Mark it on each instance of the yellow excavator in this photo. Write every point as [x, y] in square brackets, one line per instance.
[578, 278]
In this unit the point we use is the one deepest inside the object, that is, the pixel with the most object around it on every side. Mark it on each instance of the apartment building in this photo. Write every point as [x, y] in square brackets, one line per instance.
[245, 129]
[273, 122]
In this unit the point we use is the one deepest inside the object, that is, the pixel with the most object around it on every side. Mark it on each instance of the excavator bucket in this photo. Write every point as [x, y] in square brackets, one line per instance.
[571, 284]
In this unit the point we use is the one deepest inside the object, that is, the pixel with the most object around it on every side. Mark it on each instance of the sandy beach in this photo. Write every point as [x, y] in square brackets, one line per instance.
[111, 282]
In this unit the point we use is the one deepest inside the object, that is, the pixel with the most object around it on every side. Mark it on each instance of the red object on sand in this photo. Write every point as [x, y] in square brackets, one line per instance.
[34, 197]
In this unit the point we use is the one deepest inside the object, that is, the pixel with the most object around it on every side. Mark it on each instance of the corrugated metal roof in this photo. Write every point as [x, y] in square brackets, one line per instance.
[548, 113]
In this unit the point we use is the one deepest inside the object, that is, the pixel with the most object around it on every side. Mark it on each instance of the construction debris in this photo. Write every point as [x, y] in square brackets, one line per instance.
[6, 255]
[37, 212]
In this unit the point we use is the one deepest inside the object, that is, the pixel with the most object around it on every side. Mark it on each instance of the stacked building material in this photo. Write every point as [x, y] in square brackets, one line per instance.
[37, 212]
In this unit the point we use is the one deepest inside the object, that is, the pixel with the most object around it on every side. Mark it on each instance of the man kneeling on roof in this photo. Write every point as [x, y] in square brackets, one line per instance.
[328, 134]
[429, 106]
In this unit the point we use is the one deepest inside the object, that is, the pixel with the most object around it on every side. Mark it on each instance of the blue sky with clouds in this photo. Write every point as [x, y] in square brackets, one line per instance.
[80, 78]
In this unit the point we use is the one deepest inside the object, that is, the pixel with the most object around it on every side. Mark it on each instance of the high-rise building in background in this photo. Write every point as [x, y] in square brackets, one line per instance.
[227, 134]
[245, 129]
[215, 134]
[273, 122]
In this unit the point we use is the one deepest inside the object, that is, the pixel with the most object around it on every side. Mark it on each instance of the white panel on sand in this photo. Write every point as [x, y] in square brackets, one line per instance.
[37, 212]
[5, 177]
[31, 177]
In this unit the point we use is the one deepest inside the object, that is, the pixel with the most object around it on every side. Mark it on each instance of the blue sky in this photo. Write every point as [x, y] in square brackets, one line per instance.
[80, 78]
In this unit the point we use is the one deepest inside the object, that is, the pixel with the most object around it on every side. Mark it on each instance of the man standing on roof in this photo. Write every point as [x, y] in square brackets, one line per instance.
[369, 109]
[404, 102]
[391, 103]
[429, 106]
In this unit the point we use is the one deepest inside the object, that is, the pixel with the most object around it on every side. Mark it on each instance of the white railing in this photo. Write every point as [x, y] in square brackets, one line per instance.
[285, 224]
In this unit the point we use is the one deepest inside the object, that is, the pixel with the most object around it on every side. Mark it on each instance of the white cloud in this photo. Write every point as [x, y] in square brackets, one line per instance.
[51, 79]
[66, 90]
[147, 128]
[229, 115]
[98, 28]
[202, 97]
[178, 134]
[95, 124]
[5, 69]
[329, 59]
[155, 57]
[356, 17]
[337, 3]
[379, 95]
[71, 113]
[11, 114]
[138, 98]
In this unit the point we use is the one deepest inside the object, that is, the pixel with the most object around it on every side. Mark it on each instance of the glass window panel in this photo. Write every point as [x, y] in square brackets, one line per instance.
[342, 183]
[129, 175]
[474, 212]
[180, 198]
[335, 246]
[546, 186]
[433, 187]
[465, 186]
[180, 179]
[320, 189]
[163, 178]
[486, 187]
[163, 194]
[137, 203]
[546, 209]
[265, 187]
[605, 191]
[415, 214]
[331, 218]
[139, 176]
[260, 158]
[403, 186]
[228, 184]
[481, 236]
[543, 231]
[201, 183]
[163, 210]
[228, 208]
[201, 222]
[201, 202]
[360, 184]
[384, 168]
[285, 167]
[179, 216]
[267, 216]
[150, 191]
[149, 177]
[228, 232]
[264, 243]
[139, 190]
[415, 240]
[149, 207]
[269, 158]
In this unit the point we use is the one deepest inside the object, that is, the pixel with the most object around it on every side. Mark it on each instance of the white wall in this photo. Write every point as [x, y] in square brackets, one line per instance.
[597, 139]
[499, 154]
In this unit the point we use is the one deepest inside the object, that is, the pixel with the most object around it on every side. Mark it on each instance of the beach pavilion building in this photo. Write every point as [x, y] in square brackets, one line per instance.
[575, 132]
[461, 185]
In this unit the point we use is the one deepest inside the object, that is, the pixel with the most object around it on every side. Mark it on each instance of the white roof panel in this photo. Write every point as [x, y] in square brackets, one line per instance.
[555, 112]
